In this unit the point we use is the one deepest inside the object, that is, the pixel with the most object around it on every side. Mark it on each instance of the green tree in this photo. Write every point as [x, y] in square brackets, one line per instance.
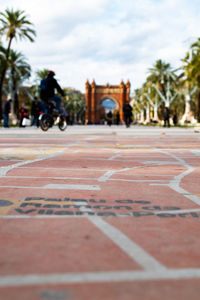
[41, 74]
[75, 105]
[18, 71]
[160, 89]
[161, 74]
[165, 82]
[139, 104]
[192, 72]
[14, 25]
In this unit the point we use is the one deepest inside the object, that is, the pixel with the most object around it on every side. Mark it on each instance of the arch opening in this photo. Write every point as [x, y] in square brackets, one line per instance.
[108, 104]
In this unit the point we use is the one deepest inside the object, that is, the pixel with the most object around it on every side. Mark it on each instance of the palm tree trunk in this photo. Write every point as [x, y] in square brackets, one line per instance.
[12, 91]
[1, 91]
[16, 106]
[155, 111]
[3, 74]
[15, 100]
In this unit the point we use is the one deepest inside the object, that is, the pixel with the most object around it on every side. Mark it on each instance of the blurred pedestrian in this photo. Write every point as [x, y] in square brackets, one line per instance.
[166, 117]
[127, 109]
[23, 113]
[109, 118]
[35, 112]
[117, 118]
[6, 111]
[175, 120]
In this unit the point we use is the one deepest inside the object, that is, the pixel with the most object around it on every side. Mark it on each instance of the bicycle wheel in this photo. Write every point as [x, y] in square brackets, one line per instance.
[62, 123]
[45, 121]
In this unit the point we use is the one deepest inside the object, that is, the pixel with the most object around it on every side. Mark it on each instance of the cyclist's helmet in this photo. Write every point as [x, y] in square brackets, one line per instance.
[51, 73]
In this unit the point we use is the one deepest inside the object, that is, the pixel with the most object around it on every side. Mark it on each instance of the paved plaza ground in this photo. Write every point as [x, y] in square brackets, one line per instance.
[100, 213]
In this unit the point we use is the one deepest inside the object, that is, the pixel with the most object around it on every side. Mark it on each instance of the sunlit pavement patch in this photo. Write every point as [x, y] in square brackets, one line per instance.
[24, 153]
[7, 205]
[6, 163]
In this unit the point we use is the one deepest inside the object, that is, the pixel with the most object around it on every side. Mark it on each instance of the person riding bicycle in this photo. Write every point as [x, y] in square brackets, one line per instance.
[47, 90]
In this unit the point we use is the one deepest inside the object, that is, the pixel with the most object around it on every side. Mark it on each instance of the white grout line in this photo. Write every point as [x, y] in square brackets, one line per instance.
[127, 245]
[135, 252]
[175, 182]
[106, 176]
[57, 187]
[114, 157]
[5, 170]
[73, 187]
[109, 173]
[100, 277]
[185, 193]
[139, 180]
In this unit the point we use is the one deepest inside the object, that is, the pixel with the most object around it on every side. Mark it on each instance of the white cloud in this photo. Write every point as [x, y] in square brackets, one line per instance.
[107, 40]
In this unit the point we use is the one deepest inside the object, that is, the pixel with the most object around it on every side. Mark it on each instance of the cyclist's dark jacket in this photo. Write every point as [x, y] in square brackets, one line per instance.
[52, 84]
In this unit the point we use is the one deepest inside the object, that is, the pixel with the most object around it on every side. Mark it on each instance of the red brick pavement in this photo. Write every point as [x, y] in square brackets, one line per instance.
[100, 214]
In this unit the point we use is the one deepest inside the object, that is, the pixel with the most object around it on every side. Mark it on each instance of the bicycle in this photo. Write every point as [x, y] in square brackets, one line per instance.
[47, 120]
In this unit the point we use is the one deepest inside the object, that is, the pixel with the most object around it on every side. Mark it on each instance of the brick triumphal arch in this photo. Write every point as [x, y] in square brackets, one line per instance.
[96, 94]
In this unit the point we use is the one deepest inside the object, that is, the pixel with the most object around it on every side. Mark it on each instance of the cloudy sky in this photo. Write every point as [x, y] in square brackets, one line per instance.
[107, 40]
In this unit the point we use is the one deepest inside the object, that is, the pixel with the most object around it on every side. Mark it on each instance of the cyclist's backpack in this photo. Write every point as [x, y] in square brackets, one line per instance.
[43, 89]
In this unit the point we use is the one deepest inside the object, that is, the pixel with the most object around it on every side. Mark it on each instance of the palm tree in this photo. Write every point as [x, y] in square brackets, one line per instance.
[19, 71]
[164, 80]
[41, 74]
[192, 61]
[192, 72]
[75, 105]
[14, 24]
[160, 74]
[153, 98]
[139, 105]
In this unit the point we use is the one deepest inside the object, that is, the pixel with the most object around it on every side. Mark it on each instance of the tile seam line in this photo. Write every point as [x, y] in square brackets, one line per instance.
[128, 246]
[5, 170]
[66, 187]
[92, 277]
[123, 242]
[174, 184]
